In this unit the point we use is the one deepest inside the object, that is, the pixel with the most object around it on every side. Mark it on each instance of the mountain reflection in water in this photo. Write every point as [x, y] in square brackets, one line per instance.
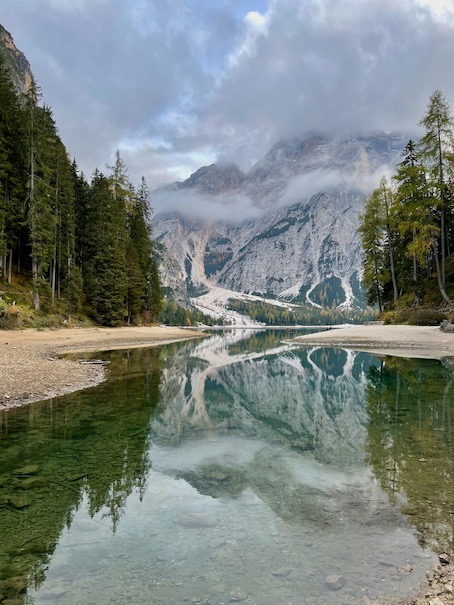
[234, 468]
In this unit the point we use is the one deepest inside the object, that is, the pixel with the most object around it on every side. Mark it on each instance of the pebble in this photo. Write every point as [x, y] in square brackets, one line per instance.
[444, 558]
[405, 568]
[237, 596]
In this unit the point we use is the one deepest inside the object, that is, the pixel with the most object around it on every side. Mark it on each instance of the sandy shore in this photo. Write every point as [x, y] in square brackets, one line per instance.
[402, 341]
[31, 371]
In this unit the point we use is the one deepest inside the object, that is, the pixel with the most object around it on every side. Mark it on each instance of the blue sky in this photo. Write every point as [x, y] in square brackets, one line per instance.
[176, 85]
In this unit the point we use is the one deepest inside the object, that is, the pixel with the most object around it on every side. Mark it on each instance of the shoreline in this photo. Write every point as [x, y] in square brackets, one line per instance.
[425, 342]
[32, 369]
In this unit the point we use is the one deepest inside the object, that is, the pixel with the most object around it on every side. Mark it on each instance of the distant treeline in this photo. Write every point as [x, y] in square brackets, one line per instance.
[273, 315]
[84, 245]
[407, 227]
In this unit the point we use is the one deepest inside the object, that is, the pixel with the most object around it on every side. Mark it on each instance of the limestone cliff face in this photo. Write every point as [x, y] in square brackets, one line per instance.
[16, 61]
[299, 241]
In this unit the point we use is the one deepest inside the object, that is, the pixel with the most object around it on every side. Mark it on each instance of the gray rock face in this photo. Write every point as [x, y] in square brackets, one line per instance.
[302, 243]
[211, 180]
[17, 63]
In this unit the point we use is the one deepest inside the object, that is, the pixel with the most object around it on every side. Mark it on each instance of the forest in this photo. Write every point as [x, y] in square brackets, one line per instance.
[407, 228]
[68, 245]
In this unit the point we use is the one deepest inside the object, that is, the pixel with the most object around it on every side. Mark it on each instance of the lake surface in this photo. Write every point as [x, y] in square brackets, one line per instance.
[234, 469]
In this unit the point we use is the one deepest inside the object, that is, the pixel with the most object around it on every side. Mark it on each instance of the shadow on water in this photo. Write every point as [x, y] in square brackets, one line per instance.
[236, 468]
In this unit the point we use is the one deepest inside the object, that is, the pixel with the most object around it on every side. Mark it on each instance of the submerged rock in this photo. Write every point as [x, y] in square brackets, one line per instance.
[405, 568]
[335, 582]
[18, 501]
[237, 596]
[197, 520]
[282, 572]
[32, 482]
[31, 469]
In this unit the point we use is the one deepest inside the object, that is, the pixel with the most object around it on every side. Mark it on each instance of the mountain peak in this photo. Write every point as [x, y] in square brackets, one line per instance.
[214, 179]
[16, 61]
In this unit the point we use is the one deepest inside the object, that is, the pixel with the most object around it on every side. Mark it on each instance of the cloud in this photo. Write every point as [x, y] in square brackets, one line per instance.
[303, 187]
[232, 208]
[345, 65]
[171, 83]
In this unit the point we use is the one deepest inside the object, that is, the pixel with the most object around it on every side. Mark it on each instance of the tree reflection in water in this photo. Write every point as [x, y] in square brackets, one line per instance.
[410, 444]
[92, 445]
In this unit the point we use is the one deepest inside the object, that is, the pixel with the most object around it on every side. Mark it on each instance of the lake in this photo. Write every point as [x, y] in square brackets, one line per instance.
[232, 469]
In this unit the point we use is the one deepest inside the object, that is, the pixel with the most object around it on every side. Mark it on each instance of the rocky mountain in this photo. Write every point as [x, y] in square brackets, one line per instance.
[16, 61]
[285, 230]
[212, 180]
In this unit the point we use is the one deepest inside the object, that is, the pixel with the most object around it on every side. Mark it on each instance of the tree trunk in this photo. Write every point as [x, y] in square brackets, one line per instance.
[10, 266]
[35, 274]
[390, 247]
[440, 282]
[69, 285]
[393, 271]
[442, 201]
[53, 280]
[415, 275]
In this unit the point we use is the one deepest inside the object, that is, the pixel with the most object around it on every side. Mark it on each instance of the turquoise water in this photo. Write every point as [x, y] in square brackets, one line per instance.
[234, 469]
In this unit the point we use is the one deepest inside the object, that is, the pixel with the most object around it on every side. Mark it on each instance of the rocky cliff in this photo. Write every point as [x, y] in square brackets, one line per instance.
[16, 61]
[287, 229]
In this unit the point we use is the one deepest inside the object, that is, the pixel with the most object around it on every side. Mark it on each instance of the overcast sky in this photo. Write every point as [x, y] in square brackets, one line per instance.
[177, 84]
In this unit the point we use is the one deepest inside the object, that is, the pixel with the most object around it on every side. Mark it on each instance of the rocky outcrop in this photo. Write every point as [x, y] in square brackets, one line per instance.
[16, 61]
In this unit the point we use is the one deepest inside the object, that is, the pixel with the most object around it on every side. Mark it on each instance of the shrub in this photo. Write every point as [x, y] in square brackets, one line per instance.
[3, 307]
[426, 317]
[388, 317]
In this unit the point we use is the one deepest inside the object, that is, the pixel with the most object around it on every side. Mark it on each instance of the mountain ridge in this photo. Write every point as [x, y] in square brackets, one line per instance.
[301, 245]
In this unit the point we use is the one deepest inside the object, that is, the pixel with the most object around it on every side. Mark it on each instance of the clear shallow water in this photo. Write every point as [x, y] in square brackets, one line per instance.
[234, 469]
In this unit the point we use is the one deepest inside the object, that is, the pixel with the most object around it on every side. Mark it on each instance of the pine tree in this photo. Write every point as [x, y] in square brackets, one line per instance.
[12, 170]
[40, 216]
[387, 199]
[372, 238]
[412, 211]
[436, 146]
[105, 269]
[141, 236]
